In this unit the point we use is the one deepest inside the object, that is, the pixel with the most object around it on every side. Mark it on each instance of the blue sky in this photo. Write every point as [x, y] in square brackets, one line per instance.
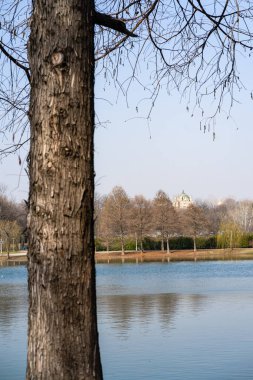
[170, 152]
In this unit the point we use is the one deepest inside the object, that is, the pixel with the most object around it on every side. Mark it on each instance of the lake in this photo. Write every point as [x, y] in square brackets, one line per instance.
[178, 321]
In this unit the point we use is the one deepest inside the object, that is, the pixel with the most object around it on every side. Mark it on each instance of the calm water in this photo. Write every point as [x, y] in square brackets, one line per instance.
[178, 321]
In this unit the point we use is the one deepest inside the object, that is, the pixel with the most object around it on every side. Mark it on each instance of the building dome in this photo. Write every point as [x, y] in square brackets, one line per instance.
[184, 196]
[182, 201]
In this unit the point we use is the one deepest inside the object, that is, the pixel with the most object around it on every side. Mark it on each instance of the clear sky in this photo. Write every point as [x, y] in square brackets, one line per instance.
[170, 153]
[14, 177]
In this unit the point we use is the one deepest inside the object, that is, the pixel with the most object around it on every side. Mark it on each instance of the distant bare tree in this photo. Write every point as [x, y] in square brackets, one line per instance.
[9, 231]
[117, 213]
[194, 222]
[214, 213]
[105, 225]
[141, 218]
[173, 227]
[98, 206]
[12, 211]
[242, 215]
[164, 217]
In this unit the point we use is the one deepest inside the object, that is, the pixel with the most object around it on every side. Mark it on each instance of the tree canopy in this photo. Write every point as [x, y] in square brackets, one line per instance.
[190, 45]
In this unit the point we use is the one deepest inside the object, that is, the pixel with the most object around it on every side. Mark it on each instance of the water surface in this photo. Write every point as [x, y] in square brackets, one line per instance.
[13, 322]
[179, 321]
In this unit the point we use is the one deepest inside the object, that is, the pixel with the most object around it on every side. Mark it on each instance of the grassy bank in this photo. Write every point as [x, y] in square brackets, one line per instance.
[152, 256]
[185, 255]
[18, 257]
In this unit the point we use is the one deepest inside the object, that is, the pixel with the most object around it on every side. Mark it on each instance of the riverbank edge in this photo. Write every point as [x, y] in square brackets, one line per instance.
[153, 256]
[174, 256]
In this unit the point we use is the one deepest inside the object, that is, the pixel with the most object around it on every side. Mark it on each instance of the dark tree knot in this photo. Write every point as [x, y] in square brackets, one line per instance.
[57, 58]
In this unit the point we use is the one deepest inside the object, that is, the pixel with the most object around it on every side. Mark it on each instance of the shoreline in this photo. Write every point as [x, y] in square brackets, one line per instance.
[176, 256]
[154, 256]
[17, 257]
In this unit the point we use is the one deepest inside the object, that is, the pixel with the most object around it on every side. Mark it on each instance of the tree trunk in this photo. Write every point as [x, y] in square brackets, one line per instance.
[122, 245]
[62, 338]
[8, 251]
[168, 245]
[162, 244]
[141, 241]
[194, 244]
[231, 240]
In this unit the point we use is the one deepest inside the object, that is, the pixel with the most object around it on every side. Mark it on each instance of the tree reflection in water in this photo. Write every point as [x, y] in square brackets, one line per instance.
[126, 310]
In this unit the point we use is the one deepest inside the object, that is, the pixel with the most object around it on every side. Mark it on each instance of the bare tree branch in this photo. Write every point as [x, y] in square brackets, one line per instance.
[113, 23]
[15, 61]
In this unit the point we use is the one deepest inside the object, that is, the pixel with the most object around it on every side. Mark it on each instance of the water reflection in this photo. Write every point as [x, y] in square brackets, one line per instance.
[176, 321]
[13, 302]
[12, 263]
[173, 336]
[156, 321]
[123, 311]
[13, 322]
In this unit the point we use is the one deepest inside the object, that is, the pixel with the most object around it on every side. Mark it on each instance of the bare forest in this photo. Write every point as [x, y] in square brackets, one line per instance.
[13, 230]
[137, 224]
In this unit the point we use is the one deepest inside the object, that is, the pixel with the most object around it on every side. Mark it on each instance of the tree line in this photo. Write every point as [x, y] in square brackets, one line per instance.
[13, 217]
[124, 223]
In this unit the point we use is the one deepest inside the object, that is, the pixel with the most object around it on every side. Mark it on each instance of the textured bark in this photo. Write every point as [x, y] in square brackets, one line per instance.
[63, 338]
